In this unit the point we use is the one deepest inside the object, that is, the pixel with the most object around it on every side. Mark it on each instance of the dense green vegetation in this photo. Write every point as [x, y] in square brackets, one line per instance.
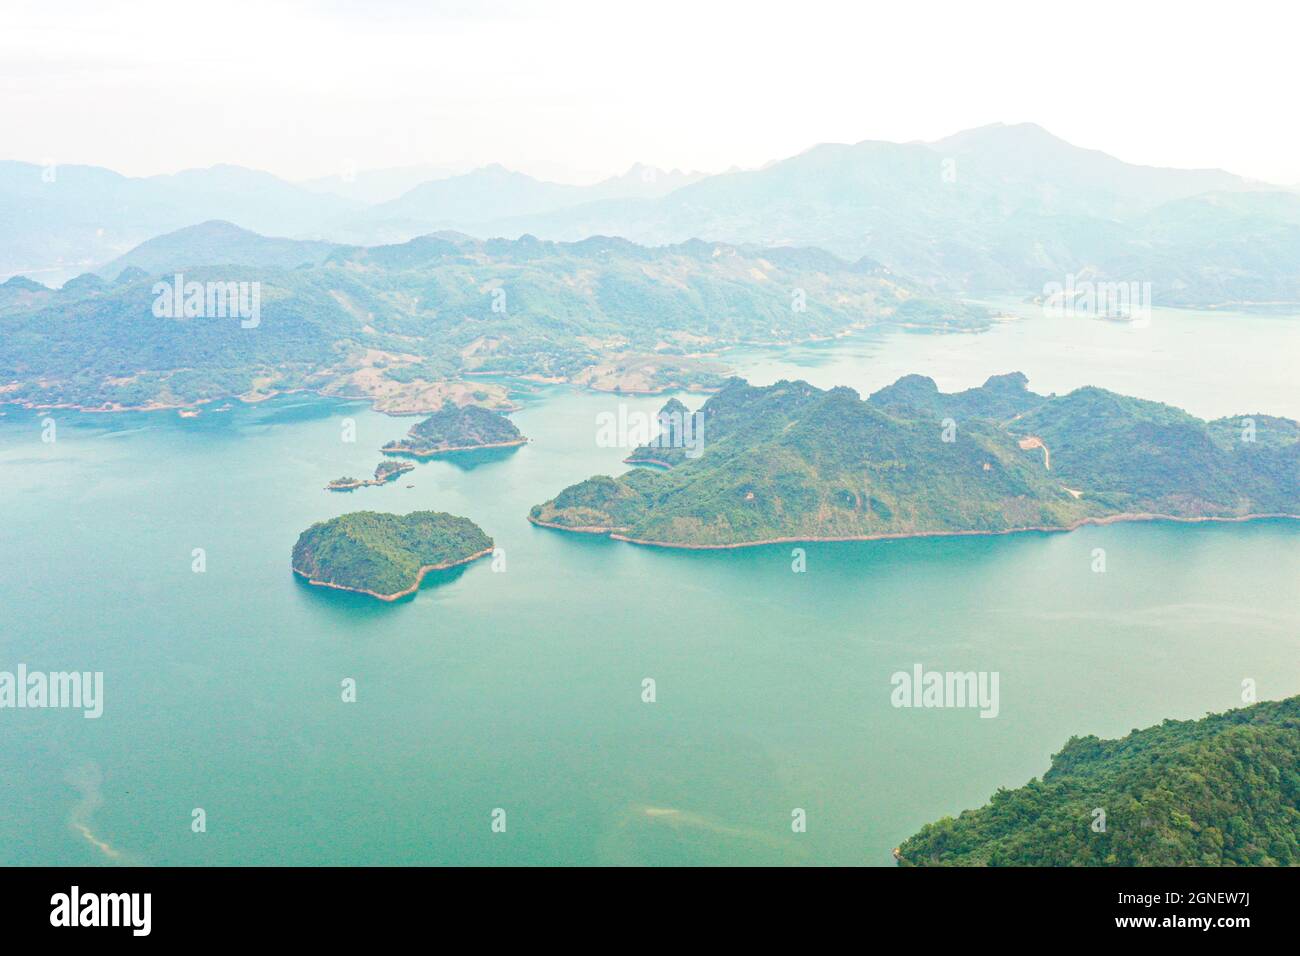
[391, 321]
[456, 428]
[383, 554]
[791, 461]
[1134, 455]
[1220, 791]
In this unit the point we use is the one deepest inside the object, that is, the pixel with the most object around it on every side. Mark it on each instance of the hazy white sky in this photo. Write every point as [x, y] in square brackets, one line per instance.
[579, 90]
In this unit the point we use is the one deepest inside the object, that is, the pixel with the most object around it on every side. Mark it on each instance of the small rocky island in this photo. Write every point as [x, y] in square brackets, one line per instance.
[385, 472]
[386, 555]
[452, 429]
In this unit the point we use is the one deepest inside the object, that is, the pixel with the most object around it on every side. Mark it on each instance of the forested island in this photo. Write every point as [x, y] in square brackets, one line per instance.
[790, 462]
[457, 428]
[386, 555]
[1220, 791]
[385, 472]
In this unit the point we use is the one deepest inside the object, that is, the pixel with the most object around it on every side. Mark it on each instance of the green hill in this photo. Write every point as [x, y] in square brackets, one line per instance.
[454, 428]
[793, 462]
[216, 243]
[385, 555]
[1220, 791]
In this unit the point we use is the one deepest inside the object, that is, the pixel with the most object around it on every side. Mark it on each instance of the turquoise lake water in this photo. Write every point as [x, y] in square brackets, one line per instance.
[522, 689]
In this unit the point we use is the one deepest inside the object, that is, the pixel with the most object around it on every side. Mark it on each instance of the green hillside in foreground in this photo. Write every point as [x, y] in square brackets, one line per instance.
[1220, 791]
[384, 554]
[456, 428]
[790, 461]
[397, 324]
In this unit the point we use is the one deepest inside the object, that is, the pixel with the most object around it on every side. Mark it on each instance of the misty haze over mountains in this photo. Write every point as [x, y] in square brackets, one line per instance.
[998, 209]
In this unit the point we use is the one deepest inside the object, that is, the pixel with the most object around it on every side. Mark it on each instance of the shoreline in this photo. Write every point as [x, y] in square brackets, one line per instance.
[195, 408]
[661, 390]
[397, 595]
[367, 482]
[617, 534]
[1003, 307]
[389, 449]
[392, 476]
[253, 398]
[584, 529]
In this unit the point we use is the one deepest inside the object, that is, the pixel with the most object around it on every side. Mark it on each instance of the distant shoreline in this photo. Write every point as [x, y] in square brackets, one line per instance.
[194, 408]
[391, 476]
[616, 534]
[583, 529]
[397, 595]
[391, 449]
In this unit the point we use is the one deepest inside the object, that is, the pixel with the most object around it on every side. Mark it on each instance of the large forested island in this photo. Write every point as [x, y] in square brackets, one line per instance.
[1220, 791]
[386, 555]
[790, 462]
[456, 428]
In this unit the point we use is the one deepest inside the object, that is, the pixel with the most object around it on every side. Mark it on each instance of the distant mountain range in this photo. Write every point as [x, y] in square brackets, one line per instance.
[373, 186]
[75, 218]
[70, 219]
[470, 202]
[992, 210]
[995, 210]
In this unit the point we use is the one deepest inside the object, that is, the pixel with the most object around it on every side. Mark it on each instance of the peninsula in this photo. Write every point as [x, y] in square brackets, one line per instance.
[790, 462]
[385, 555]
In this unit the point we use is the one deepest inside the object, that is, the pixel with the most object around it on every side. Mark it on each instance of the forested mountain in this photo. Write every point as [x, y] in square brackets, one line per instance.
[794, 462]
[1220, 791]
[408, 325]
